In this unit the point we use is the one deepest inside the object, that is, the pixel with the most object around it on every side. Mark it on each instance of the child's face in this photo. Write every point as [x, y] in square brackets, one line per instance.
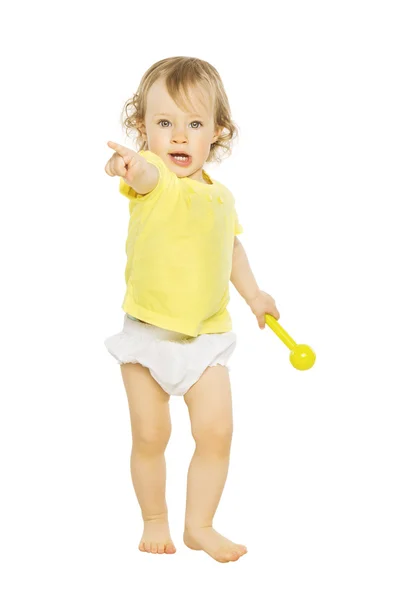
[177, 131]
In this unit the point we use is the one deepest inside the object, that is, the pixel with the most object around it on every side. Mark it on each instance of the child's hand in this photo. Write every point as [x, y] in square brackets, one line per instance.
[261, 305]
[126, 163]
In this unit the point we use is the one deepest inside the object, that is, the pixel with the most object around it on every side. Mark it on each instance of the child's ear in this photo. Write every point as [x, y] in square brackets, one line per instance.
[142, 130]
[218, 132]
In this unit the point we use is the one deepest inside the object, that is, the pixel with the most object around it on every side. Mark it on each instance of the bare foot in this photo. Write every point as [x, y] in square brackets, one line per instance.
[216, 545]
[156, 538]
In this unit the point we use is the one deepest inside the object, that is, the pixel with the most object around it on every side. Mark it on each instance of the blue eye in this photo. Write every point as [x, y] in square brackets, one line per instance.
[165, 121]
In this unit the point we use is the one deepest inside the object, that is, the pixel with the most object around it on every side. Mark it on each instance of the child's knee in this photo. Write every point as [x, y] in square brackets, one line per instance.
[150, 439]
[215, 439]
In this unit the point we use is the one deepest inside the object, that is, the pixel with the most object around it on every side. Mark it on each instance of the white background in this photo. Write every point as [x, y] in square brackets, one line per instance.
[313, 487]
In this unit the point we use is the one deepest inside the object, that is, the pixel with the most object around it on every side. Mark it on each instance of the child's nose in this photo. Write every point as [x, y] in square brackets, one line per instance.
[179, 136]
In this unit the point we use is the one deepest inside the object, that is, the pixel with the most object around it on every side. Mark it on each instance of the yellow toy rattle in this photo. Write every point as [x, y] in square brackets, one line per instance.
[301, 356]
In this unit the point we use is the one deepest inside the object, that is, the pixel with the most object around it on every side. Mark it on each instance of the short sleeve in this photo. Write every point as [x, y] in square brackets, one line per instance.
[238, 227]
[126, 189]
[165, 180]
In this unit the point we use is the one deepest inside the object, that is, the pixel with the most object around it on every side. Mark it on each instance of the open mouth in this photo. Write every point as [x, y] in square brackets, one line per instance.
[180, 158]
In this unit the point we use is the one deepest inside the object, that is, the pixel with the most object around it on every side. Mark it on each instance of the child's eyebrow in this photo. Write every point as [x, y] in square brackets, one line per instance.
[168, 115]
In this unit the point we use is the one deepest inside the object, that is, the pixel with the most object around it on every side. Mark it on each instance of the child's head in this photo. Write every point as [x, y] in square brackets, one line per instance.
[196, 116]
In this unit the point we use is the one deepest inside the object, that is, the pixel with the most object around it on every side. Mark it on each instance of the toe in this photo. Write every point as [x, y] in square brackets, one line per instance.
[141, 547]
[220, 558]
[170, 549]
[153, 548]
[147, 546]
[161, 549]
[229, 555]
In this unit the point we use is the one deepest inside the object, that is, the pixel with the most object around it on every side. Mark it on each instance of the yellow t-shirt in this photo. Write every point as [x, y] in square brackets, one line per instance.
[179, 252]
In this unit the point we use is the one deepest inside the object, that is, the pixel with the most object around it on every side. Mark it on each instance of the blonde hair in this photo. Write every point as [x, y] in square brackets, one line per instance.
[180, 74]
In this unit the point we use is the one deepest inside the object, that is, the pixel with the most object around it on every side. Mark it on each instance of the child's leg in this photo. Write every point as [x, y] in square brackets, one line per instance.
[210, 407]
[151, 429]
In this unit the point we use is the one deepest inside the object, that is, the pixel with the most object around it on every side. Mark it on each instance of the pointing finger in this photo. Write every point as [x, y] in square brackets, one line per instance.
[126, 153]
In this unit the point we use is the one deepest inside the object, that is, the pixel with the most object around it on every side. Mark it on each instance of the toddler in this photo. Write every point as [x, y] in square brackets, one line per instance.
[182, 252]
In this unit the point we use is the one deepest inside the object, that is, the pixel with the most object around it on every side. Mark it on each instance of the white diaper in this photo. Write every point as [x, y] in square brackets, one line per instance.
[175, 360]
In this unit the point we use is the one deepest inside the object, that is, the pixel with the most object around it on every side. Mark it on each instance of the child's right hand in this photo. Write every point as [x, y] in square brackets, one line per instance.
[125, 163]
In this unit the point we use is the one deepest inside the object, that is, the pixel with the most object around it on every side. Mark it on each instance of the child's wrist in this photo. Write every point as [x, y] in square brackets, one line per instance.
[251, 298]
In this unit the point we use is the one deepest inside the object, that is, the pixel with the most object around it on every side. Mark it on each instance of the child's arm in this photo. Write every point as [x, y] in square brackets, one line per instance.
[146, 181]
[244, 281]
[242, 276]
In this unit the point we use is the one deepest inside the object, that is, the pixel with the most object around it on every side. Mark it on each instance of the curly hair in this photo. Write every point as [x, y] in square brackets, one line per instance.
[180, 74]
